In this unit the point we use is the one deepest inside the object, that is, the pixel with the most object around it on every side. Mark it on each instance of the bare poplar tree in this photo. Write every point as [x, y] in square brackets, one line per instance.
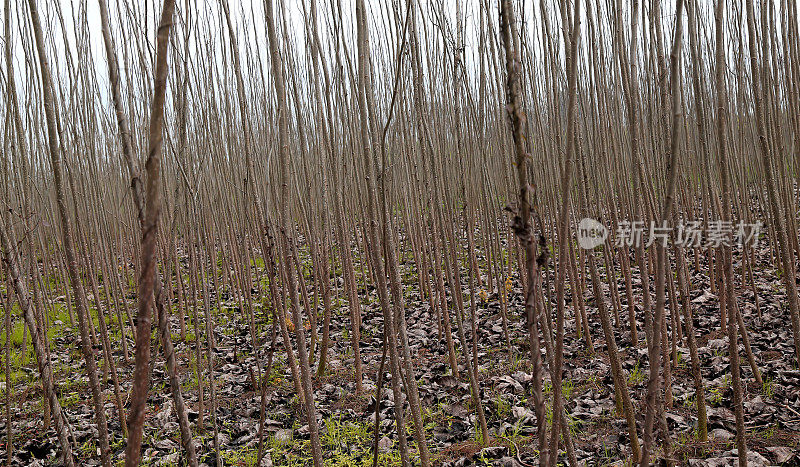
[54, 148]
[522, 218]
[654, 403]
[152, 212]
[287, 231]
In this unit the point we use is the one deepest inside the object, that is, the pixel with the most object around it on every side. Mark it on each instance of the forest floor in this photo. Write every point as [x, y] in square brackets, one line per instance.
[772, 412]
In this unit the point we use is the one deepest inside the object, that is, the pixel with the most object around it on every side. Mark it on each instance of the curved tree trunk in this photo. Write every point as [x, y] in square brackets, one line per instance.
[147, 276]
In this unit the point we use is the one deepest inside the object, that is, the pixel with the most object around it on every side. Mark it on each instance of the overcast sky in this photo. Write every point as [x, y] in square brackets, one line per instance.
[248, 18]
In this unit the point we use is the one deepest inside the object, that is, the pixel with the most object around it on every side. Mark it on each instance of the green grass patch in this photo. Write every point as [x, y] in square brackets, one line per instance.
[344, 444]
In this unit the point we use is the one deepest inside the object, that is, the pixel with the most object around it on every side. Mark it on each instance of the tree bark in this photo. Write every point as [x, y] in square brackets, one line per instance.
[152, 211]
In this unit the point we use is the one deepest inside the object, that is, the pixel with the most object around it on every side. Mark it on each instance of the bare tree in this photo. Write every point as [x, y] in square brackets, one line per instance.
[54, 147]
[522, 224]
[152, 212]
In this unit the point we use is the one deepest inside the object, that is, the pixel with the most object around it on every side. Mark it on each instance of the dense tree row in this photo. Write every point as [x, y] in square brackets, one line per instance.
[297, 157]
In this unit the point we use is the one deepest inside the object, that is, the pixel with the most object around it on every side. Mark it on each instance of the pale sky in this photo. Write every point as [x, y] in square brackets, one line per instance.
[248, 18]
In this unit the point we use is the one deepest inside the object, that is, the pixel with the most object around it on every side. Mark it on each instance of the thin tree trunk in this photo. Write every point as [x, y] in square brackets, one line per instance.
[42, 360]
[287, 235]
[654, 405]
[521, 223]
[66, 234]
[729, 291]
[786, 255]
[152, 211]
